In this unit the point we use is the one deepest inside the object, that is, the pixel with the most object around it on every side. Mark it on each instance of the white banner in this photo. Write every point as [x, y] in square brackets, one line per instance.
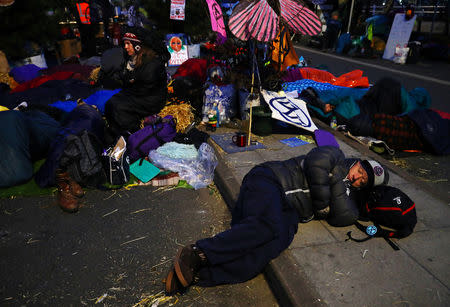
[399, 36]
[289, 110]
[177, 9]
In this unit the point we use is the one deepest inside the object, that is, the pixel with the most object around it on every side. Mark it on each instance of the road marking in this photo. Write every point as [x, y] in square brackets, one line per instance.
[447, 83]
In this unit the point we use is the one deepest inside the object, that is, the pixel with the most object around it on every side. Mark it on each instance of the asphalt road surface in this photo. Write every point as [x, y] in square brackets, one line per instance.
[115, 251]
[432, 75]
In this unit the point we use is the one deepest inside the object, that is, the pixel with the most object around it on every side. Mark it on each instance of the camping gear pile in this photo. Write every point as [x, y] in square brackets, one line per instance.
[52, 113]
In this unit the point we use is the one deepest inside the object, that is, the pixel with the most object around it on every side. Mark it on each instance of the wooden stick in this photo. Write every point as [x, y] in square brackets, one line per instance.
[251, 110]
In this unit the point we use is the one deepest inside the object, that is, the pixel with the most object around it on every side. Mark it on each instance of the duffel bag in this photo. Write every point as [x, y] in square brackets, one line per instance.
[156, 132]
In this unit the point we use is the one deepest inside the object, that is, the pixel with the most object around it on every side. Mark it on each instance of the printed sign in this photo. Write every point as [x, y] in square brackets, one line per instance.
[289, 110]
[399, 36]
[176, 44]
[217, 24]
[177, 9]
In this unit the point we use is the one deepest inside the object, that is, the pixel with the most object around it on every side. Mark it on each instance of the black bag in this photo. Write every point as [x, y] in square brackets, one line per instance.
[391, 210]
[414, 52]
[82, 159]
[116, 163]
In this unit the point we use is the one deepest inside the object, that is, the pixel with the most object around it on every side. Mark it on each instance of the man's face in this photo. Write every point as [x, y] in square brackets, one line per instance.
[357, 175]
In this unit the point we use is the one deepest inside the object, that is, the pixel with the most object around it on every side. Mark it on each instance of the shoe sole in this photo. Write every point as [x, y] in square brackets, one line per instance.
[178, 270]
[171, 283]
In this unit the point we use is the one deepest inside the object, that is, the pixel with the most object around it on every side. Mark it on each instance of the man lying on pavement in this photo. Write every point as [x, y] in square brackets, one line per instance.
[274, 197]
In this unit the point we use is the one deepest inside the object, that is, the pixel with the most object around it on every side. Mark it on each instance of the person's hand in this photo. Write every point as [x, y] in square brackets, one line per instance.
[328, 108]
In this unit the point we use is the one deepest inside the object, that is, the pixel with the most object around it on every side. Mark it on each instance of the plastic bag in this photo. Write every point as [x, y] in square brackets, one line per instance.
[198, 172]
[400, 55]
[224, 98]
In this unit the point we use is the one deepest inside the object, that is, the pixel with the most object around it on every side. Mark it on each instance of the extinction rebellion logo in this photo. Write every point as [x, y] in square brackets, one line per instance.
[290, 112]
[378, 171]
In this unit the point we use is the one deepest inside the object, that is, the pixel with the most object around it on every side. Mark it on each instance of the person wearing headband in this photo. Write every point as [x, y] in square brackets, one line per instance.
[143, 79]
[274, 197]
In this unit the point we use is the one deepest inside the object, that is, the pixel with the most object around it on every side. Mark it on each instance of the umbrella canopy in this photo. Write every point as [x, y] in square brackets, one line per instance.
[258, 19]
[6, 2]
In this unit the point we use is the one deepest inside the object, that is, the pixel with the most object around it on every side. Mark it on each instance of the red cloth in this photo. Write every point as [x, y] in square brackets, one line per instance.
[317, 75]
[443, 114]
[351, 79]
[193, 68]
[62, 75]
[83, 70]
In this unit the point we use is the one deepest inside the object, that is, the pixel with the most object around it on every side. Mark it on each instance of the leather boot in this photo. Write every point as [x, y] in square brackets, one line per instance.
[66, 201]
[75, 189]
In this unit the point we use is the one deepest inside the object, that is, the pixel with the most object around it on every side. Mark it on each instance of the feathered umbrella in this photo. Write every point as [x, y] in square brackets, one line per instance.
[260, 19]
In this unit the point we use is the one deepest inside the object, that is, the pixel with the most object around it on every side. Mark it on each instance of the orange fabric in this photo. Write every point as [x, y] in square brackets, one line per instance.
[288, 59]
[83, 11]
[352, 79]
[317, 75]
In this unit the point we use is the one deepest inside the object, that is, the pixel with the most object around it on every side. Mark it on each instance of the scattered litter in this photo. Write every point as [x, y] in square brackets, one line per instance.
[101, 298]
[137, 239]
[12, 211]
[155, 299]
[141, 210]
[364, 253]
[74, 253]
[402, 302]
[156, 265]
[121, 276]
[440, 180]
[399, 162]
[114, 211]
[30, 241]
[114, 193]
[339, 273]
[116, 289]
[178, 243]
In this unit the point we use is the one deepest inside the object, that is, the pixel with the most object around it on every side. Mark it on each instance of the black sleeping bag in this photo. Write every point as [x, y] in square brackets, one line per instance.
[48, 93]
[25, 137]
[83, 117]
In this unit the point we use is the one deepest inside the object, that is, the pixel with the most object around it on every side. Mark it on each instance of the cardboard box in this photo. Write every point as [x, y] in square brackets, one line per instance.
[69, 47]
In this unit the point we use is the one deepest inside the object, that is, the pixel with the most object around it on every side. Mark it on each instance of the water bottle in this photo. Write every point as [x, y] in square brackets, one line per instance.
[333, 123]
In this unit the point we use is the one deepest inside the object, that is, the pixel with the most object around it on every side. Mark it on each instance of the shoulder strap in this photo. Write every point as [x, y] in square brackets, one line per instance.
[153, 134]
[373, 231]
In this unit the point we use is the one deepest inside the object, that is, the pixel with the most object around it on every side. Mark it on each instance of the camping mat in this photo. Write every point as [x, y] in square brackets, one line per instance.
[225, 142]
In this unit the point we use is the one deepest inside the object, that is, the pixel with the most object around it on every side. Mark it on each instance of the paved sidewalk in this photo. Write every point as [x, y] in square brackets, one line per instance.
[321, 268]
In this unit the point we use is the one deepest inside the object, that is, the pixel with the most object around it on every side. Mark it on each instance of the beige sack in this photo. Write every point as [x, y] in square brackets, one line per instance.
[4, 66]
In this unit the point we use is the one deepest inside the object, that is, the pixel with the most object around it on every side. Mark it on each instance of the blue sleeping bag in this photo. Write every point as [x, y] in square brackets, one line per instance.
[25, 137]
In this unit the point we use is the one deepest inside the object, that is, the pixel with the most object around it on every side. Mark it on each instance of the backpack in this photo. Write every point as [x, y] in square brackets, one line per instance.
[392, 212]
[156, 132]
[82, 159]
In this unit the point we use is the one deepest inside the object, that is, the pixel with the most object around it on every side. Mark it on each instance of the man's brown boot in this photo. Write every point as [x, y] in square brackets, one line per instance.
[66, 200]
[75, 188]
